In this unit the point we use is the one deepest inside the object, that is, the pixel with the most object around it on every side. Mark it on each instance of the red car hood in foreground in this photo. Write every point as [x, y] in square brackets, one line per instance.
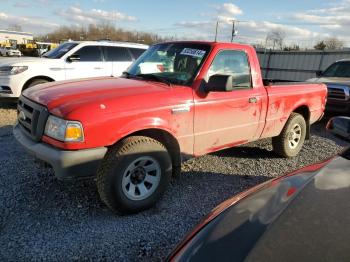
[65, 96]
[300, 217]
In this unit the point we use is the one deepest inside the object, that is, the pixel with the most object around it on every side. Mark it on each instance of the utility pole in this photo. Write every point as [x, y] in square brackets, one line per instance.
[216, 30]
[233, 33]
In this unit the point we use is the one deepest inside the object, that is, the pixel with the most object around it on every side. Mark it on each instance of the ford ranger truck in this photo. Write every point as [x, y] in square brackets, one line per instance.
[178, 100]
[337, 79]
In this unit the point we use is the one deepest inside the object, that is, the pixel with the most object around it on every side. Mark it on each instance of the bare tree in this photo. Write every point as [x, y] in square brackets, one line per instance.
[334, 43]
[276, 37]
[294, 47]
[258, 46]
[321, 45]
[15, 27]
[101, 31]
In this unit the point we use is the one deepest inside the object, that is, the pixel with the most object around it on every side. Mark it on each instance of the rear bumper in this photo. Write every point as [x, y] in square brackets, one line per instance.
[66, 164]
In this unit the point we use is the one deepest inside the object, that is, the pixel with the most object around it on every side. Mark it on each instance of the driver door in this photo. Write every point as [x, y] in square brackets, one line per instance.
[225, 119]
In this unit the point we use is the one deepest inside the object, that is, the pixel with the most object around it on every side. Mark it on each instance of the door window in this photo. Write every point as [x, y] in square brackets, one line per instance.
[235, 63]
[136, 52]
[117, 54]
[89, 54]
[339, 69]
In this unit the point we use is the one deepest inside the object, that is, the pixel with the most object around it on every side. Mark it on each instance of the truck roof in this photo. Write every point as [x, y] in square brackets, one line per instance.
[212, 43]
[138, 45]
[112, 43]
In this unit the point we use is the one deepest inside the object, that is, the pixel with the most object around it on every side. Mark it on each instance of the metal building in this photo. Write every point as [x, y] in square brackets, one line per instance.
[297, 65]
[13, 38]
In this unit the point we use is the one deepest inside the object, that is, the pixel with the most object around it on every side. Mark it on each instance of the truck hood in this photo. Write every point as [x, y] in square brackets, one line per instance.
[65, 96]
[331, 80]
[24, 60]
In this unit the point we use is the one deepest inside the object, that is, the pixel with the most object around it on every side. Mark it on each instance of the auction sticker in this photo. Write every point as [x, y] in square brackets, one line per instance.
[193, 52]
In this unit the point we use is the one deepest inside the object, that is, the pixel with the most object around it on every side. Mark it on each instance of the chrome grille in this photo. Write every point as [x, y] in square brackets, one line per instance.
[338, 92]
[32, 117]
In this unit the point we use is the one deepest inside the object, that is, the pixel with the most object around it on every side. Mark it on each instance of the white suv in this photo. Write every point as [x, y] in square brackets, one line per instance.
[9, 51]
[71, 60]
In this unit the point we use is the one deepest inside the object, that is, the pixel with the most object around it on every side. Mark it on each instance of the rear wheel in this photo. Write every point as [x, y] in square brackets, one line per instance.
[134, 174]
[292, 137]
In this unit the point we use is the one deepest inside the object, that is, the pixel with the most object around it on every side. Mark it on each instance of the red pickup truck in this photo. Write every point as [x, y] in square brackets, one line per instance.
[178, 100]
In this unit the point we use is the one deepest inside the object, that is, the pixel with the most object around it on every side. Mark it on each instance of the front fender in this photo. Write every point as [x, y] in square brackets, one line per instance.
[141, 124]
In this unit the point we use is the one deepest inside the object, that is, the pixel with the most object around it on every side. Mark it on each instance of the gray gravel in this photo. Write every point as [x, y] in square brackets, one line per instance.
[44, 219]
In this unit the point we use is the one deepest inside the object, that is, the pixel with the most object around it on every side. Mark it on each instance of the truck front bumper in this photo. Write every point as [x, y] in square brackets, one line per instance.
[66, 164]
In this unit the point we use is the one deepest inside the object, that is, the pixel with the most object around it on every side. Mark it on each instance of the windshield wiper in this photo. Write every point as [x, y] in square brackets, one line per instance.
[154, 77]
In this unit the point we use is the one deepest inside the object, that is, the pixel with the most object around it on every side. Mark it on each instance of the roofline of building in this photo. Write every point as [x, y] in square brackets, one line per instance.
[16, 32]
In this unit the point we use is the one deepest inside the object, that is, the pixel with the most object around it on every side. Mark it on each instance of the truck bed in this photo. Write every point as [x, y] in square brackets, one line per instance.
[284, 97]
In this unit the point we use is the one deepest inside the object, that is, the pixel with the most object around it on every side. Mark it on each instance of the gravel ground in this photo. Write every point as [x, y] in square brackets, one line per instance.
[45, 219]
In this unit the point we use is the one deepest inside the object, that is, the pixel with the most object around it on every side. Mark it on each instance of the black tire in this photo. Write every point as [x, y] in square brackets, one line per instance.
[37, 82]
[114, 169]
[284, 144]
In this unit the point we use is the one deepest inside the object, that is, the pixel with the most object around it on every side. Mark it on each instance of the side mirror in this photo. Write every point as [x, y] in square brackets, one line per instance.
[319, 73]
[340, 126]
[219, 83]
[73, 58]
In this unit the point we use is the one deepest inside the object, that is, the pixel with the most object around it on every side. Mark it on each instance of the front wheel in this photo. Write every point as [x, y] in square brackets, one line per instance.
[134, 174]
[292, 137]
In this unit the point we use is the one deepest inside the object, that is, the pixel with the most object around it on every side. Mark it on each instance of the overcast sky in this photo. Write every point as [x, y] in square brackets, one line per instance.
[304, 22]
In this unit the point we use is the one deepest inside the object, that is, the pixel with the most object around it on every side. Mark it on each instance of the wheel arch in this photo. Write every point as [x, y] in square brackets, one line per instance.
[305, 112]
[29, 81]
[168, 140]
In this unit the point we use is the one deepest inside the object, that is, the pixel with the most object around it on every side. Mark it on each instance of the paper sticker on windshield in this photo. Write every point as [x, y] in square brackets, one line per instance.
[193, 52]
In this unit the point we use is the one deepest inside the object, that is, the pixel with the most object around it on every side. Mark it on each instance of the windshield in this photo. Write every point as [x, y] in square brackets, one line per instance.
[176, 63]
[339, 69]
[60, 50]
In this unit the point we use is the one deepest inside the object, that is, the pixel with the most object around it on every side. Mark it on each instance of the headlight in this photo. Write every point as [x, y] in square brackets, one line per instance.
[64, 130]
[12, 70]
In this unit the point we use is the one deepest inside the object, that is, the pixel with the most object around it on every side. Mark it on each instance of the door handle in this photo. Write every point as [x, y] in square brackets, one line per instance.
[98, 68]
[180, 110]
[253, 100]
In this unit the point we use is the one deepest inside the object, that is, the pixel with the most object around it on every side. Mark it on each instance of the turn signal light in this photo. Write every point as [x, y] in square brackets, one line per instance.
[74, 132]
